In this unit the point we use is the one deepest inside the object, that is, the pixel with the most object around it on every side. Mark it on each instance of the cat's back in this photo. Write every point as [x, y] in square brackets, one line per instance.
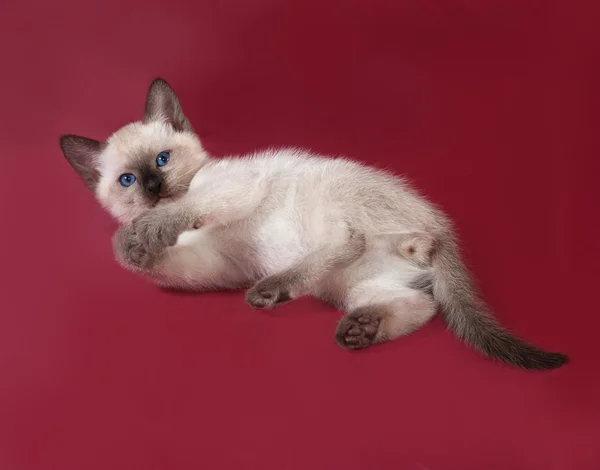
[321, 185]
[294, 165]
[375, 199]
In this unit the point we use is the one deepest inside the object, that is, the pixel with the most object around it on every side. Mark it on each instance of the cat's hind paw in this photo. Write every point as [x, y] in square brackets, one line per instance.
[358, 329]
[268, 293]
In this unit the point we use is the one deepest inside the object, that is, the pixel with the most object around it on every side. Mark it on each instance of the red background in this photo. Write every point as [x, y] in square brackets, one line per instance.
[490, 107]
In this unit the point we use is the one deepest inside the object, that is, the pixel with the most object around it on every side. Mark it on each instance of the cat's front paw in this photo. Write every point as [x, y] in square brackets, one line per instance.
[268, 293]
[129, 252]
[159, 229]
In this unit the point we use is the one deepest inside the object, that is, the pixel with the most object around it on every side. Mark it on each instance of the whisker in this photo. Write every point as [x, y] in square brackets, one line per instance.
[182, 175]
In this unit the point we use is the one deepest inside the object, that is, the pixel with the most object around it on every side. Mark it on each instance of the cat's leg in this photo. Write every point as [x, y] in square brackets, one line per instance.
[301, 279]
[378, 322]
[216, 205]
[141, 245]
[386, 296]
[194, 263]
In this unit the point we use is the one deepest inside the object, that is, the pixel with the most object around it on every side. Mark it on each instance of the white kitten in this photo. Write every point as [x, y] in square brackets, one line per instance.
[289, 223]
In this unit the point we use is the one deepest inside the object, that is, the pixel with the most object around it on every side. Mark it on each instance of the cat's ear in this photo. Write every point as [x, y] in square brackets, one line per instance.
[83, 154]
[162, 104]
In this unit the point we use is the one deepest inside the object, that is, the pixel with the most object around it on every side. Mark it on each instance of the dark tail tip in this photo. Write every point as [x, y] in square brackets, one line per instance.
[541, 360]
[498, 343]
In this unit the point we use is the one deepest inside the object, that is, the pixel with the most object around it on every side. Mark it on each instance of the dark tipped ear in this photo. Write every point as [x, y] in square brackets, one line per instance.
[82, 153]
[162, 104]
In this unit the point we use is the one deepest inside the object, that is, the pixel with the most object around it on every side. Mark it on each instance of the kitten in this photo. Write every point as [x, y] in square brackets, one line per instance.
[288, 223]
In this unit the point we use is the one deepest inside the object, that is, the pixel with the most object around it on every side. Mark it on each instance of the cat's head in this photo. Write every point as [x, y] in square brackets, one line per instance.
[142, 164]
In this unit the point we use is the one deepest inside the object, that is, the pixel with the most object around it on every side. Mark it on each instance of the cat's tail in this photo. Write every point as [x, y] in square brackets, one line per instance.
[471, 320]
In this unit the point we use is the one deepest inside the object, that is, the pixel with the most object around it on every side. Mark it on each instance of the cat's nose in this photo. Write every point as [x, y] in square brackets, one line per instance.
[153, 184]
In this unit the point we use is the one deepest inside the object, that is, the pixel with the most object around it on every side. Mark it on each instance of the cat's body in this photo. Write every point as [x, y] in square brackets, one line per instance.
[289, 223]
[280, 206]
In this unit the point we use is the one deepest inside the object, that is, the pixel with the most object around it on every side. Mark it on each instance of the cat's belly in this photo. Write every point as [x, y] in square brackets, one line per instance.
[284, 237]
[200, 261]
[247, 251]
[230, 257]
[278, 244]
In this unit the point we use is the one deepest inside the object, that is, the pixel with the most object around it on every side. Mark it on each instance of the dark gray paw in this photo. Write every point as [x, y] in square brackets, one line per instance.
[160, 228]
[358, 329]
[268, 293]
[130, 252]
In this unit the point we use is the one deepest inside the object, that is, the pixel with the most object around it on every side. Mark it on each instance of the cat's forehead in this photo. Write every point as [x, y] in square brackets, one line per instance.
[139, 137]
[140, 141]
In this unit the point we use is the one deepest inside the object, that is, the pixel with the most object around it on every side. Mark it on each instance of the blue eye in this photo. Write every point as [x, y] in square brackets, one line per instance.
[127, 179]
[163, 159]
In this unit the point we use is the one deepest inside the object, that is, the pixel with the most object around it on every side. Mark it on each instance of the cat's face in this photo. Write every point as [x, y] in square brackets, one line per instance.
[142, 164]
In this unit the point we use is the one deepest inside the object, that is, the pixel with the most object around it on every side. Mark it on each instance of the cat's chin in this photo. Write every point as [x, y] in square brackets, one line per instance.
[161, 200]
